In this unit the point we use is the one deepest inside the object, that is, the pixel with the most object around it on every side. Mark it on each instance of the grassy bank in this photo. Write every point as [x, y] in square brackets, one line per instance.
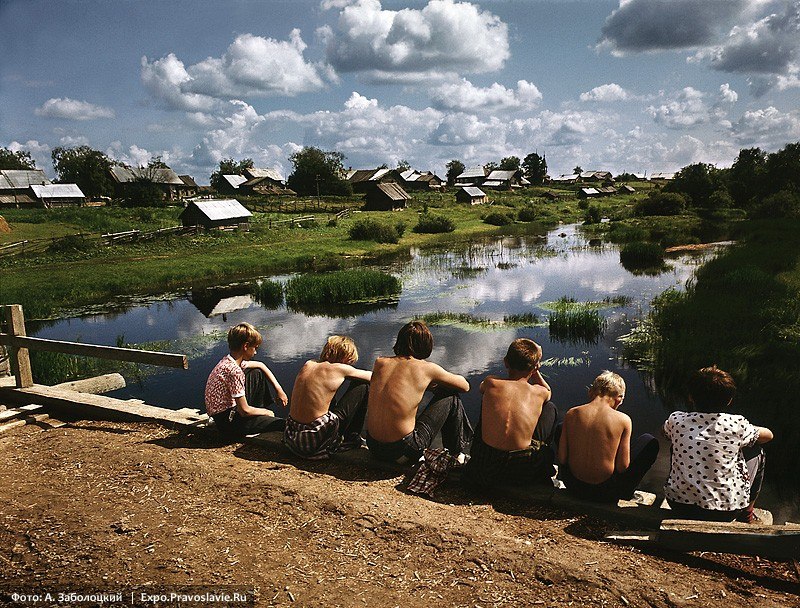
[742, 313]
[49, 283]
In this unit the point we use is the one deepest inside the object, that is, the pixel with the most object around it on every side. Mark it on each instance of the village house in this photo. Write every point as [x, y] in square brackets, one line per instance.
[171, 186]
[386, 197]
[505, 180]
[420, 180]
[474, 176]
[588, 192]
[595, 176]
[472, 195]
[364, 180]
[215, 213]
[58, 195]
[662, 177]
[192, 189]
[15, 186]
[230, 184]
[564, 178]
[264, 182]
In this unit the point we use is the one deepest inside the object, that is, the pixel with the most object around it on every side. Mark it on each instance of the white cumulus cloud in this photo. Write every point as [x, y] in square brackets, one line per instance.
[464, 96]
[686, 109]
[444, 37]
[607, 92]
[72, 109]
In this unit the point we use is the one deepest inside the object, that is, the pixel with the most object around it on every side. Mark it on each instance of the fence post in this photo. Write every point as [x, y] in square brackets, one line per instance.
[20, 360]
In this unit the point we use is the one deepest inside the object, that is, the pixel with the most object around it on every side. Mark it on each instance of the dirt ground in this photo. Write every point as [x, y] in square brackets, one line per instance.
[110, 506]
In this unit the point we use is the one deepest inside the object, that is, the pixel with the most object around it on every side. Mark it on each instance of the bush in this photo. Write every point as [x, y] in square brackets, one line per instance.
[498, 219]
[371, 230]
[641, 254]
[593, 215]
[782, 204]
[430, 223]
[400, 228]
[527, 214]
[583, 204]
[70, 244]
[661, 203]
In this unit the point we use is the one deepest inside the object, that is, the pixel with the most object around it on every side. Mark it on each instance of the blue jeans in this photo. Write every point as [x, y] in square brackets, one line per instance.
[444, 413]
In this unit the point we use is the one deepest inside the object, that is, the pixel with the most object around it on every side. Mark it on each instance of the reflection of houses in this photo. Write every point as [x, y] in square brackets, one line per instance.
[264, 182]
[500, 179]
[474, 176]
[221, 300]
[15, 186]
[420, 180]
[386, 197]
[171, 186]
[58, 195]
[215, 213]
[472, 195]
[364, 180]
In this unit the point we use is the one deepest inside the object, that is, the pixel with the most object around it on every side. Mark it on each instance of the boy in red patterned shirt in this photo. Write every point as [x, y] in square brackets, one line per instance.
[236, 390]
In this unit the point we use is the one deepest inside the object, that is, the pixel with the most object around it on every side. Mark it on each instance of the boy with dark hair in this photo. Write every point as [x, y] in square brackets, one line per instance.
[717, 464]
[517, 424]
[394, 432]
[236, 390]
[598, 460]
[318, 425]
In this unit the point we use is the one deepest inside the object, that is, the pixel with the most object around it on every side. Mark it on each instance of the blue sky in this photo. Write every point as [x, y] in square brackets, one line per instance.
[619, 85]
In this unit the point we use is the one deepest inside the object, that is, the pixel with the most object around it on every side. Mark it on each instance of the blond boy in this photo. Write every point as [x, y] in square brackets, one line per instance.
[517, 424]
[236, 389]
[597, 460]
[318, 424]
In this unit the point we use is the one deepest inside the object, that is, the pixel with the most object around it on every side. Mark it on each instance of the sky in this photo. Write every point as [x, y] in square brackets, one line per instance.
[616, 85]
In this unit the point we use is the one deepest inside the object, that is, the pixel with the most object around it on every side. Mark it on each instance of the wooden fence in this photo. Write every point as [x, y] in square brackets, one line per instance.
[19, 345]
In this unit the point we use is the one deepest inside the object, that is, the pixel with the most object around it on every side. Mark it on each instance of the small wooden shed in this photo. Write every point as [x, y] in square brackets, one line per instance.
[386, 197]
[58, 195]
[215, 213]
[472, 195]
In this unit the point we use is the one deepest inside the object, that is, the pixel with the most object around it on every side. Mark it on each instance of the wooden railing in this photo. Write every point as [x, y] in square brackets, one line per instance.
[19, 344]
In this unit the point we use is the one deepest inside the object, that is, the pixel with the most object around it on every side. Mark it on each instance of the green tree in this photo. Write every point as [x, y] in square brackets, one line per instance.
[782, 170]
[16, 160]
[535, 168]
[746, 176]
[403, 165]
[454, 169]
[510, 163]
[229, 166]
[698, 182]
[316, 170]
[144, 191]
[87, 168]
[490, 166]
[577, 170]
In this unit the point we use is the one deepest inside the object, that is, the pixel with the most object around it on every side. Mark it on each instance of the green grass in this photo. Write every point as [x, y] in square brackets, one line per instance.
[576, 322]
[268, 293]
[341, 287]
[639, 255]
[525, 319]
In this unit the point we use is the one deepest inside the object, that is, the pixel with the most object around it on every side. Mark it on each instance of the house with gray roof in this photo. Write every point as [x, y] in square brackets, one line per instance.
[364, 180]
[215, 213]
[503, 180]
[15, 186]
[474, 176]
[420, 180]
[172, 187]
[58, 195]
[386, 196]
[472, 195]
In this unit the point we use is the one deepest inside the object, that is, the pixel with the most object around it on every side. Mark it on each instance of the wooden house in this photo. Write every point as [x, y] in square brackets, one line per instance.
[626, 189]
[472, 195]
[565, 178]
[264, 182]
[215, 213]
[386, 197]
[474, 176]
[364, 180]
[588, 193]
[420, 180]
[171, 186]
[503, 180]
[15, 186]
[190, 186]
[58, 195]
[595, 176]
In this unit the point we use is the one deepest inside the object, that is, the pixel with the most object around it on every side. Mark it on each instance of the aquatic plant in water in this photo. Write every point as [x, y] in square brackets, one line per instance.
[641, 254]
[341, 287]
[576, 322]
[268, 293]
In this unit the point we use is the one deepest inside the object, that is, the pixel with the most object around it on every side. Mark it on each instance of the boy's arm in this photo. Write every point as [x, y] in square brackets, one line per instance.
[563, 442]
[764, 434]
[283, 400]
[439, 375]
[623, 459]
[353, 372]
[247, 410]
[537, 378]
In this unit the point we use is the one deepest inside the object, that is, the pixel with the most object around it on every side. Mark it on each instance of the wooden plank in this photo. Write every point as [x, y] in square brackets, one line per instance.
[93, 350]
[20, 412]
[96, 385]
[20, 359]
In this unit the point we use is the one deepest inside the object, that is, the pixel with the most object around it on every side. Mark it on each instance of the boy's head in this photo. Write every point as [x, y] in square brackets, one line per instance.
[608, 384]
[523, 355]
[242, 334]
[339, 349]
[711, 389]
[414, 340]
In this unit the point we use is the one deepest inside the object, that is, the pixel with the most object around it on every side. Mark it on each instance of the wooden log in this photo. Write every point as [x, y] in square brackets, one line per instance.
[93, 350]
[97, 385]
[20, 359]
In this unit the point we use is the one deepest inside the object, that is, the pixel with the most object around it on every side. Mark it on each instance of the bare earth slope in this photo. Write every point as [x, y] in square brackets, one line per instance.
[115, 506]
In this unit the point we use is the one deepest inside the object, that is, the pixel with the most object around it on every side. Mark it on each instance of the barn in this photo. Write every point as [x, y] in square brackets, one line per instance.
[472, 195]
[386, 197]
[215, 213]
[58, 195]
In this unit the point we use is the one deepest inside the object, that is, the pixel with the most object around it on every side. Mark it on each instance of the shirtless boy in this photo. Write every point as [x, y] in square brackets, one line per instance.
[517, 424]
[598, 460]
[318, 425]
[394, 432]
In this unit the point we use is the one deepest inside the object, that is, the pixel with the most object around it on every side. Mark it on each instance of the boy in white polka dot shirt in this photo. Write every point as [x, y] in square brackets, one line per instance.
[717, 464]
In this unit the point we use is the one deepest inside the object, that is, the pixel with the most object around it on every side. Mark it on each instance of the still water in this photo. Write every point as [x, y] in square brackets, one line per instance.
[491, 278]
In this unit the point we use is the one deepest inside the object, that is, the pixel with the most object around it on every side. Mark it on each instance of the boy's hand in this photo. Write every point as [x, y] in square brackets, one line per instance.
[282, 398]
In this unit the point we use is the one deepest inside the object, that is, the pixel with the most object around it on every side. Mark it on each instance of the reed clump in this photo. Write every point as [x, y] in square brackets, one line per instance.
[268, 293]
[341, 287]
[641, 254]
[576, 322]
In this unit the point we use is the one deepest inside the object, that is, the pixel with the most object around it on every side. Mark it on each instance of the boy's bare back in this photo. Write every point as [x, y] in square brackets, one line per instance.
[595, 441]
[397, 388]
[510, 411]
[315, 387]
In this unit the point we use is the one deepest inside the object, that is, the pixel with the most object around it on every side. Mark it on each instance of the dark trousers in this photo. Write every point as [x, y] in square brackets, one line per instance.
[756, 463]
[444, 413]
[231, 424]
[644, 451]
[489, 466]
[352, 408]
